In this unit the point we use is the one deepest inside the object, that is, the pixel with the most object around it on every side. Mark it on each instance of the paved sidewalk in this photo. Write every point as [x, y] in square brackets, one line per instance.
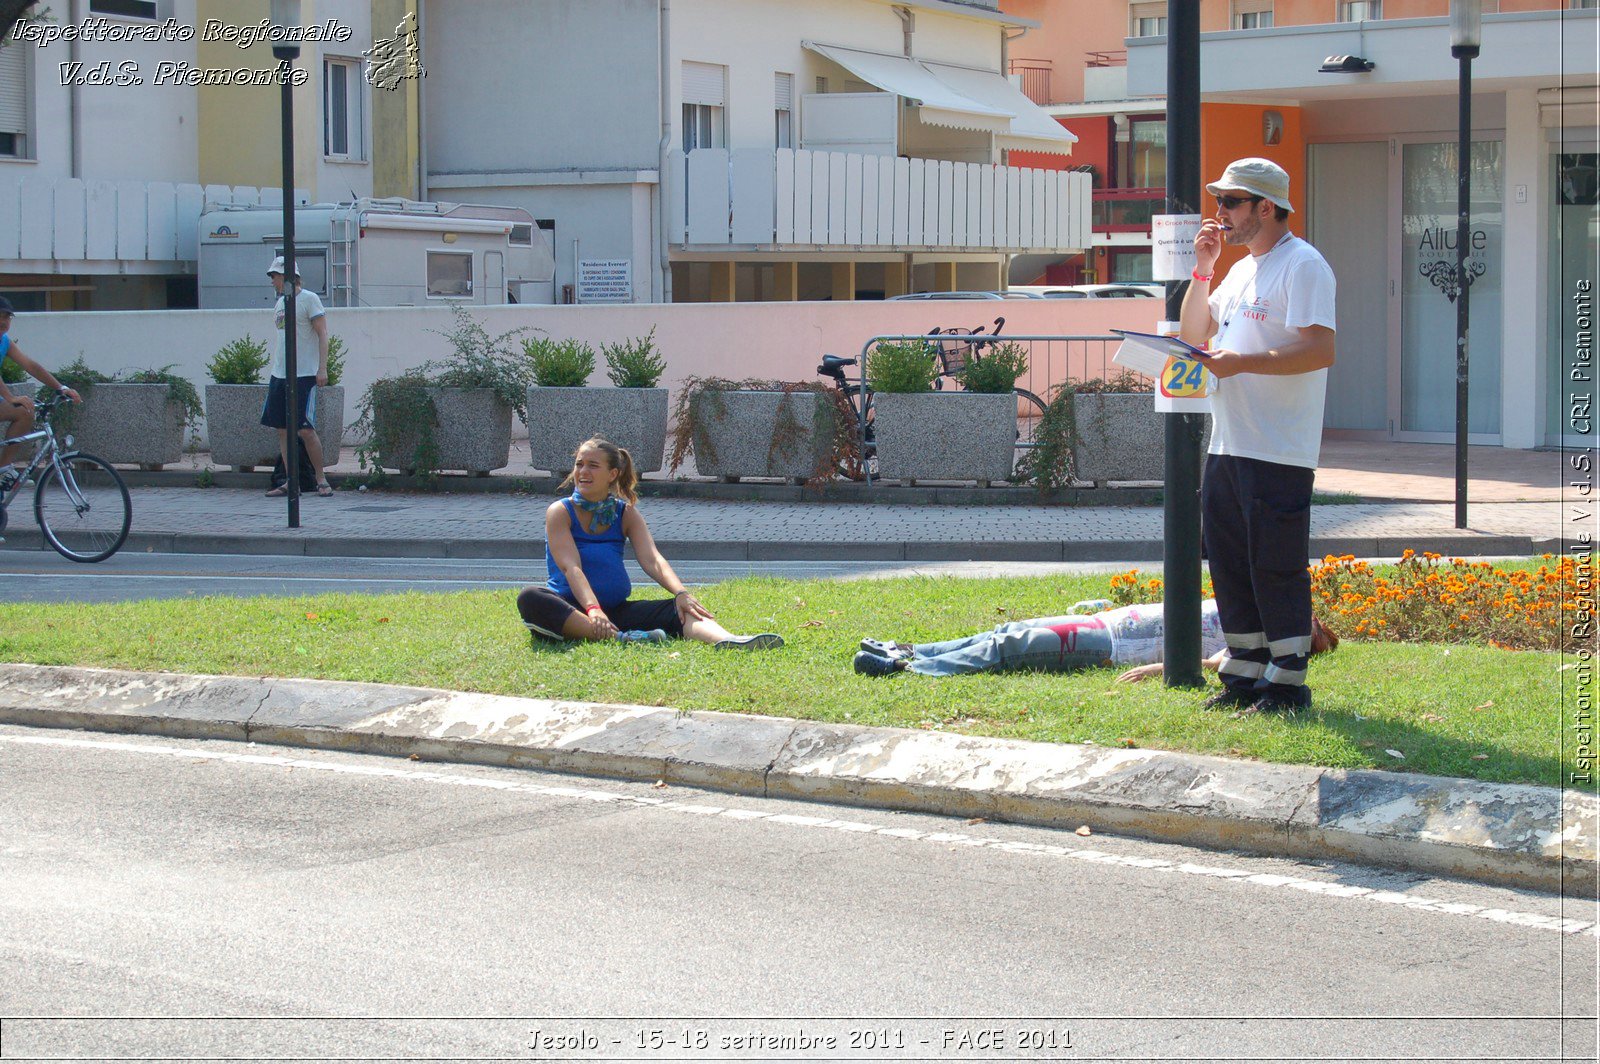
[1511, 834]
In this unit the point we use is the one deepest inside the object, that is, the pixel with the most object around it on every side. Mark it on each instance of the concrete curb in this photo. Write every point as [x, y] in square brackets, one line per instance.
[26, 536]
[1514, 835]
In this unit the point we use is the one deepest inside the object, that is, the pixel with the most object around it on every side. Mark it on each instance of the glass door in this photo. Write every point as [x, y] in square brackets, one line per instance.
[1428, 283]
[1574, 231]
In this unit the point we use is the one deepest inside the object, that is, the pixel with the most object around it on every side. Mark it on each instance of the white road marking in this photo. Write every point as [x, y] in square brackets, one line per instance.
[1262, 879]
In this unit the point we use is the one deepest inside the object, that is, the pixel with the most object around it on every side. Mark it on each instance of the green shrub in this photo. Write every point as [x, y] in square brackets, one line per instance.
[559, 363]
[239, 362]
[78, 376]
[634, 363]
[10, 372]
[996, 370]
[335, 361]
[178, 388]
[900, 367]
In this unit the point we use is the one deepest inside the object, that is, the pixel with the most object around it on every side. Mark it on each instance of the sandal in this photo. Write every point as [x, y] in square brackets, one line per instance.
[325, 489]
[277, 493]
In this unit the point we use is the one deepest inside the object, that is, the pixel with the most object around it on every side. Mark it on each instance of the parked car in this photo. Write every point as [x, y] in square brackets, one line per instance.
[1124, 290]
[945, 295]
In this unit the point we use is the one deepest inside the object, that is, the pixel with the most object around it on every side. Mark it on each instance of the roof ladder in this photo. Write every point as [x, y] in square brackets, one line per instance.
[342, 258]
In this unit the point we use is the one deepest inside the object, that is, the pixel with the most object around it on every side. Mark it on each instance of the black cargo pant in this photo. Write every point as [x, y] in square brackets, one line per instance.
[1257, 530]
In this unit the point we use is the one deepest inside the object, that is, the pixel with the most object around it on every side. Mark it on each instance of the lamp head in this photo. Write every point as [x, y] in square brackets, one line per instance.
[1466, 27]
[1345, 64]
[286, 16]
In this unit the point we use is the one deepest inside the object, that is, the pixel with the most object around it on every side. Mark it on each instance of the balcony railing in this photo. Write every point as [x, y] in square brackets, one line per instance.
[125, 223]
[815, 200]
[1126, 210]
[1034, 78]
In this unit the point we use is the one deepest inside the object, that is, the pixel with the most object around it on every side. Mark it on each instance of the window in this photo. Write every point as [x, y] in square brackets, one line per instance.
[1360, 10]
[1147, 20]
[450, 274]
[521, 236]
[783, 110]
[1144, 155]
[149, 9]
[1579, 5]
[704, 99]
[341, 109]
[1252, 14]
[14, 100]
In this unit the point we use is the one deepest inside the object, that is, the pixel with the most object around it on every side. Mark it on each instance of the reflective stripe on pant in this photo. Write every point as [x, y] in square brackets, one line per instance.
[1257, 531]
[1045, 644]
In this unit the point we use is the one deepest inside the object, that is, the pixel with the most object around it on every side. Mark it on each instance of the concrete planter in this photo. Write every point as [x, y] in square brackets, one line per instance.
[1120, 437]
[946, 436]
[762, 434]
[237, 437]
[128, 424]
[561, 418]
[472, 432]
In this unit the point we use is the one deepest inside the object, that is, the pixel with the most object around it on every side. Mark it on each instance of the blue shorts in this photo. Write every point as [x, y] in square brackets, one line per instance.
[272, 414]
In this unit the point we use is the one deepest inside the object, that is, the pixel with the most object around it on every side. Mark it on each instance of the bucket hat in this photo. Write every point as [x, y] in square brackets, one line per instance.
[1258, 177]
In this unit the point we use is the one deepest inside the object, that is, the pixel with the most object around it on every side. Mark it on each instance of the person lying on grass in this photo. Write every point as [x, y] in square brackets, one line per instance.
[587, 596]
[1128, 635]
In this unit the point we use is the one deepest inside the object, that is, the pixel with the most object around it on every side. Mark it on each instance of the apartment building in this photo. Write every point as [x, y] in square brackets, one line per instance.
[1372, 153]
[113, 137]
[721, 150]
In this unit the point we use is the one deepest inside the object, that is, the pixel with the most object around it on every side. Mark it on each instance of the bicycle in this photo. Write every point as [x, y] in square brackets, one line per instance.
[862, 460]
[80, 502]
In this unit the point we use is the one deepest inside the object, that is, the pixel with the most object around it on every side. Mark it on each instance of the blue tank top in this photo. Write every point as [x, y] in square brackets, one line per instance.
[601, 556]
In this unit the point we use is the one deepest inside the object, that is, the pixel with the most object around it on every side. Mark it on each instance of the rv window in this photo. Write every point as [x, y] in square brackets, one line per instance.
[450, 274]
[522, 236]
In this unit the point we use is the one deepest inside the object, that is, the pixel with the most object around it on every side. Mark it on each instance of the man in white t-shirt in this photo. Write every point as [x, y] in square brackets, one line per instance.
[1270, 324]
[310, 333]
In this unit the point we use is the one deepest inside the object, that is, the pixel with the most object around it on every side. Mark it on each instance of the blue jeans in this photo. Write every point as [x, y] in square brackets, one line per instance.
[1041, 644]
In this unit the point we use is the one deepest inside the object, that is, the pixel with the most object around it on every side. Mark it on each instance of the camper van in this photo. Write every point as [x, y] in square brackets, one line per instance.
[379, 253]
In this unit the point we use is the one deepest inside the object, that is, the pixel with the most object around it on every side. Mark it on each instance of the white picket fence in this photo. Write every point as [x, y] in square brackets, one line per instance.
[73, 220]
[814, 199]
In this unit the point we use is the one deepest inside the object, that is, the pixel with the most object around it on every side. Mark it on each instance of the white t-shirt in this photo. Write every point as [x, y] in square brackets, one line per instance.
[1262, 304]
[1137, 633]
[307, 348]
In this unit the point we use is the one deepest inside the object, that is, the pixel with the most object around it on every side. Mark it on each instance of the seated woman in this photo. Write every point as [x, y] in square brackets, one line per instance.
[587, 596]
[1128, 635]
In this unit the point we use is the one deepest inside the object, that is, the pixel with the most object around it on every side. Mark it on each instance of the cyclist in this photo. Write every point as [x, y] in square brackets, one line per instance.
[18, 409]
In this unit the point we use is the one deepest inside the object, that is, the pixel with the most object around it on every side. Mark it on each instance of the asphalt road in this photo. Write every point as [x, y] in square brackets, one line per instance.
[44, 576]
[202, 900]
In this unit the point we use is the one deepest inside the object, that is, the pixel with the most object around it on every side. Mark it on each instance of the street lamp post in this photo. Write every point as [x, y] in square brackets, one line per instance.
[286, 17]
[1465, 36]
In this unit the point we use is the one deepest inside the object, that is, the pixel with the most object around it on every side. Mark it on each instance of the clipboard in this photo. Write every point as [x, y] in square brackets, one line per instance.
[1168, 346]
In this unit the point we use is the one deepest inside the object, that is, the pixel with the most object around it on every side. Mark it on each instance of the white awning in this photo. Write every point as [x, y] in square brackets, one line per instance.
[958, 97]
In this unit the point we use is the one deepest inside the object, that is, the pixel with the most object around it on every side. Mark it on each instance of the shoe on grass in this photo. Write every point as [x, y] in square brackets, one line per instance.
[761, 641]
[1231, 698]
[886, 648]
[654, 635]
[1280, 699]
[869, 664]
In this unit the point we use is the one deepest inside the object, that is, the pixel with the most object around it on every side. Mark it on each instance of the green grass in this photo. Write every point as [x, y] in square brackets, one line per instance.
[1441, 707]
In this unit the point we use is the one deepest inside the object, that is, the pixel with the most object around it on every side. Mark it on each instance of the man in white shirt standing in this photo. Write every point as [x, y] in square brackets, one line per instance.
[311, 331]
[1270, 324]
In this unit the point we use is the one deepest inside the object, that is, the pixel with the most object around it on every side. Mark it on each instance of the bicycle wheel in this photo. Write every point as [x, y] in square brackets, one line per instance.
[1030, 411]
[82, 507]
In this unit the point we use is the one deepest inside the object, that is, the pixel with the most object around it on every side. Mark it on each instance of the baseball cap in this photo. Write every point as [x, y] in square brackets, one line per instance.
[5, 306]
[1258, 177]
[277, 267]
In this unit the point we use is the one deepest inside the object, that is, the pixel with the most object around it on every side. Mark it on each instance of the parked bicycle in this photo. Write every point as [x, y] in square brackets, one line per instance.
[955, 349]
[80, 502]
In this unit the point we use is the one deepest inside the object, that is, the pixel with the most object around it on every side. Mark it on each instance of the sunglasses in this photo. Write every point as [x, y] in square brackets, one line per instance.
[1228, 203]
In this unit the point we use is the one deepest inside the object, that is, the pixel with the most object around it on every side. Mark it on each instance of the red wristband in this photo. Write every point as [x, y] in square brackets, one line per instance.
[1196, 274]
[592, 610]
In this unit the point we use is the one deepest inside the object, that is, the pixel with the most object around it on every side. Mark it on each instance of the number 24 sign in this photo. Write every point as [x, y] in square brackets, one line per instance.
[1183, 379]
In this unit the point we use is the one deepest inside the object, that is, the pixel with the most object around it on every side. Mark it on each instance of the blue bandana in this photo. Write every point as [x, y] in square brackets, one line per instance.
[604, 511]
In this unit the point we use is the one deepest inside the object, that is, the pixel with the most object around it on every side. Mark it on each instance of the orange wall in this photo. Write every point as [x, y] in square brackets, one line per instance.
[1093, 148]
[1230, 131]
[1067, 34]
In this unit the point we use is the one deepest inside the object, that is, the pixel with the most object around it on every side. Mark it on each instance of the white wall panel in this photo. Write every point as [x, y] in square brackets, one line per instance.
[819, 197]
[885, 215]
[708, 196]
[675, 187]
[99, 221]
[838, 172]
[902, 201]
[70, 207]
[752, 196]
[1010, 237]
[918, 185]
[803, 167]
[161, 233]
[132, 221]
[853, 188]
[783, 192]
[190, 200]
[986, 207]
[222, 195]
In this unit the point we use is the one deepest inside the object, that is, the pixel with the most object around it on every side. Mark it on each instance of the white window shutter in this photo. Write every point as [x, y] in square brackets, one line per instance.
[705, 83]
[783, 92]
[14, 88]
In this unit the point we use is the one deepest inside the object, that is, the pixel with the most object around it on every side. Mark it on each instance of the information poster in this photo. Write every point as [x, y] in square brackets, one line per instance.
[1172, 246]
[605, 281]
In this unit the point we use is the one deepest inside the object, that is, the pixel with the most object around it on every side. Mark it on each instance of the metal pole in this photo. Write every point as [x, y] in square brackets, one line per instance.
[1463, 280]
[291, 304]
[1181, 499]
